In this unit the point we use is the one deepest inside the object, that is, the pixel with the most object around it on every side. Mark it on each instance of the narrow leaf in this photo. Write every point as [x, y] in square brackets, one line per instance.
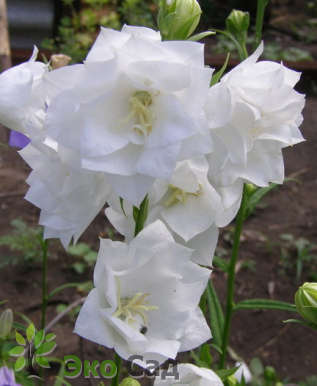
[62, 287]
[201, 35]
[204, 354]
[122, 207]
[218, 75]
[256, 198]
[225, 373]
[265, 304]
[216, 314]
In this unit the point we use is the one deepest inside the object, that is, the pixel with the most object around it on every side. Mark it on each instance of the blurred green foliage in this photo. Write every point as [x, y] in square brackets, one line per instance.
[78, 28]
[25, 240]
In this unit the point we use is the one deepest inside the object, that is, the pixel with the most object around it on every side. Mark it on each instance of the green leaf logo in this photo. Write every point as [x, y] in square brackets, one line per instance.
[38, 343]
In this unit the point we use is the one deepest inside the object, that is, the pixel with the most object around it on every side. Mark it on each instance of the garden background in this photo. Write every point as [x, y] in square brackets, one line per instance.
[279, 241]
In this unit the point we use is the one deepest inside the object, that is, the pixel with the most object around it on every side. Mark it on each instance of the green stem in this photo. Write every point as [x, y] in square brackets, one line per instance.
[231, 277]
[44, 244]
[118, 362]
[259, 21]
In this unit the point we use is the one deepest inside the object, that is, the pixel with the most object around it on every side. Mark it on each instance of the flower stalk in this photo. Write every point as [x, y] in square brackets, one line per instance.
[44, 245]
[231, 277]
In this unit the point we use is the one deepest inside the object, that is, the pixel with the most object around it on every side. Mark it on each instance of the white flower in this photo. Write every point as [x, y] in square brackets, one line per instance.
[244, 371]
[20, 105]
[146, 298]
[136, 110]
[189, 375]
[187, 204]
[259, 116]
[69, 198]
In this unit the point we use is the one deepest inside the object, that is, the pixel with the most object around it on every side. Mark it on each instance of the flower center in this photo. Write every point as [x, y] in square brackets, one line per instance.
[133, 310]
[140, 110]
[176, 195]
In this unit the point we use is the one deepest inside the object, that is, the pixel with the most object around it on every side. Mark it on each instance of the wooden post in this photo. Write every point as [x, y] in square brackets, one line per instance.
[5, 55]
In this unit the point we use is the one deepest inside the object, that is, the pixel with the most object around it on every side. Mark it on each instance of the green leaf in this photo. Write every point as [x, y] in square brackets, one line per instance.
[19, 364]
[79, 249]
[302, 322]
[90, 257]
[265, 304]
[42, 362]
[38, 338]
[46, 348]
[217, 348]
[216, 314]
[79, 268]
[19, 338]
[18, 326]
[218, 75]
[225, 373]
[30, 332]
[86, 286]
[201, 35]
[49, 337]
[197, 360]
[204, 354]
[256, 367]
[256, 198]
[62, 287]
[221, 263]
[122, 207]
[16, 351]
[140, 215]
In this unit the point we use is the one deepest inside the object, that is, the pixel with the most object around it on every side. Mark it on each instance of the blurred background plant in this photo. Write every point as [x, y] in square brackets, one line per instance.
[24, 240]
[79, 26]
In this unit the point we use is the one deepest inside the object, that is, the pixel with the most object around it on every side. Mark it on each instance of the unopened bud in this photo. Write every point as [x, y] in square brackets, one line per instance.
[6, 321]
[129, 382]
[59, 60]
[178, 19]
[238, 22]
[306, 302]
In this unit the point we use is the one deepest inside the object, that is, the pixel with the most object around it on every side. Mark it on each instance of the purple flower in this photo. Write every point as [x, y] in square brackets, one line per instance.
[18, 139]
[7, 377]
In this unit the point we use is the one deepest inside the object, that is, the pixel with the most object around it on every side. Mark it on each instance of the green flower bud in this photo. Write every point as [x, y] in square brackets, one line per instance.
[238, 22]
[178, 19]
[306, 302]
[129, 382]
[270, 373]
[6, 320]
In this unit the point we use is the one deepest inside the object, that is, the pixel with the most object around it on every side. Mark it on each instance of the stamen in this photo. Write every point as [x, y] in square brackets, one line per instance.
[177, 195]
[129, 309]
[140, 110]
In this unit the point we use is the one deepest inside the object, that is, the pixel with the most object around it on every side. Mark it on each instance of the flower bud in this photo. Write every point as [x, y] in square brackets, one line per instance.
[306, 302]
[6, 320]
[129, 382]
[178, 19]
[238, 22]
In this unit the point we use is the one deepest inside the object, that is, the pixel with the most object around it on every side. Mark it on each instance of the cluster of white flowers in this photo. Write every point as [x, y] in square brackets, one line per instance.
[139, 118]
